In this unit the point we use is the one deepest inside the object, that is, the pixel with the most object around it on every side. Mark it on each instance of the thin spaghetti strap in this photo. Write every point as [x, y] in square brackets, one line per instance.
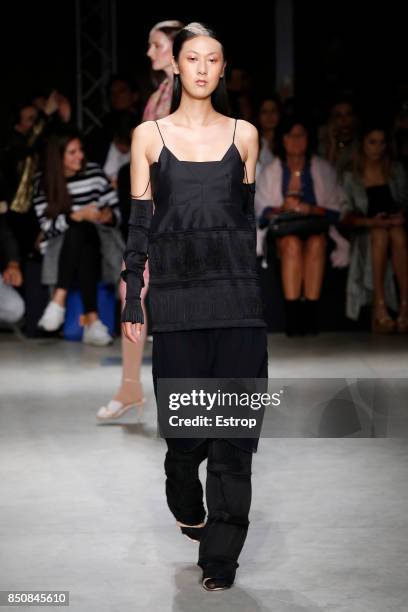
[235, 129]
[245, 168]
[159, 132]
[137, 197]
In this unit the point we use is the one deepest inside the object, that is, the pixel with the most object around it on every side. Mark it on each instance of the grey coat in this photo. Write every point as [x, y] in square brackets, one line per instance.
[112, 248]
[360, 275]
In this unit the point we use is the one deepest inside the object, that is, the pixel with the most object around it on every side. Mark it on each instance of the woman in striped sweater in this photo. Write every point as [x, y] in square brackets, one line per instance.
[71, 197]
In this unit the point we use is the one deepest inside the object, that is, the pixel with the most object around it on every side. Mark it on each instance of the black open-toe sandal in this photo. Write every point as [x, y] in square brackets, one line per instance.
[216, 584]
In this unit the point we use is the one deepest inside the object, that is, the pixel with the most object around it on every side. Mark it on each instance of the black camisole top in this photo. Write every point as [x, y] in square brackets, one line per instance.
[202, 244]
[380, 200]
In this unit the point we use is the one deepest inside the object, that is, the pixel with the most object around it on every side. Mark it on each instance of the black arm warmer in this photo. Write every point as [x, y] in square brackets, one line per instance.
[135, 256]
[250, 208]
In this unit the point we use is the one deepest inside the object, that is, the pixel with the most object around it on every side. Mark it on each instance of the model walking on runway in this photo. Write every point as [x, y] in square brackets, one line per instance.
[130, 392]
[192, 214]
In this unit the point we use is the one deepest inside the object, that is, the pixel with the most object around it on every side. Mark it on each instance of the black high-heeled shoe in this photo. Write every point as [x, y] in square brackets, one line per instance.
[216, 584]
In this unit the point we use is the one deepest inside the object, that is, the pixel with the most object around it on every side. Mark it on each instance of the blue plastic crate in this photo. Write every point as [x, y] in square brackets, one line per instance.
[106, 303]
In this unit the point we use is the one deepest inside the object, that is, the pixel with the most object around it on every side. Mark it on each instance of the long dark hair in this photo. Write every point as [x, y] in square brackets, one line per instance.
[219, 97]
[272, 97]
[359, 158]
[285, 126]
[53, 178]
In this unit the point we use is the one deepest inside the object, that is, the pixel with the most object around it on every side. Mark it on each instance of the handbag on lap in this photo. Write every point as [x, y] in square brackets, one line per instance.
[291, 222]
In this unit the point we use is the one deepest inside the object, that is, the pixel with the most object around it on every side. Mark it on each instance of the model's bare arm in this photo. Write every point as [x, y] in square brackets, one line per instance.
[139, 220]
[249, 145]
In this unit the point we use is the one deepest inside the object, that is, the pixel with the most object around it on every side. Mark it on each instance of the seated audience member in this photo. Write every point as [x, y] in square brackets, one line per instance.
[73, 200]
[16, 155]
[123, 97]
[119, 149]
[22, 157]
[269, 113]
[17, 146]
[11, 303]
[297, 199]
[338, 137]
[375, 209]
[239, 87]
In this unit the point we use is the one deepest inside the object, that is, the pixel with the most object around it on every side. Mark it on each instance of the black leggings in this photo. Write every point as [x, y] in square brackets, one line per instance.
[79, 261]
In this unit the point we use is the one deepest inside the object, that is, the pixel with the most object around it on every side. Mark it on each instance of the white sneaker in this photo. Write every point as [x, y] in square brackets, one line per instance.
[53, 317]
[97, 334]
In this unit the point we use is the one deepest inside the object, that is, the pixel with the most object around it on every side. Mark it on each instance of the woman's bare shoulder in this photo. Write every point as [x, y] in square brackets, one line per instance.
[246, 129]
[168, 120]
[247, 137]
[143, 134]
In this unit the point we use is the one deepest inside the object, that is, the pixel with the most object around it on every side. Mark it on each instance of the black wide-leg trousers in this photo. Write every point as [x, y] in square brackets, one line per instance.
[235, 352]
